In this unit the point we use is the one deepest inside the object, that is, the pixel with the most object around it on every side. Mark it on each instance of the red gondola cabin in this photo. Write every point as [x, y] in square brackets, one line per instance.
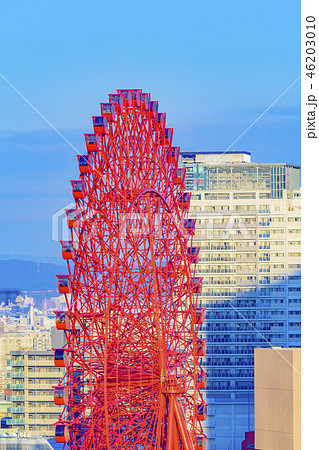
[193, 254]
[200, 315]
[62, 434]
[202, 380]
[196, 285]
[137, 97]
[168, 136]
[184, 200]
[161, 118]
[85, 163]
[154, 109]
[64, 284]
[62, 320]
[118, 101]
[146, 100]
[100, 124]
[78, 189]
[201, 348]
[179, 177]
[68, 250]
[73, 217]
[189, 225]
[61, 357]
[61, 395]
[128, 95]
[108, 110]
[201, 413]
[93, 142]
[200, 442]
[172, 155]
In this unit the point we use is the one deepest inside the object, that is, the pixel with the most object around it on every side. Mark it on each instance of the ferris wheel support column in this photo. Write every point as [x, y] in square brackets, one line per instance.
[176, 423]
[170, 425]
[181, 426]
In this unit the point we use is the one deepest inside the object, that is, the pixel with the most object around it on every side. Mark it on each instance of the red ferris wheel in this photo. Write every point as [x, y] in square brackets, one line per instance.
[132, 354]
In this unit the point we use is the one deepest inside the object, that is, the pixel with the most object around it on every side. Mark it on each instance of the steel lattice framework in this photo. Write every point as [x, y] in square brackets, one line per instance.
[132, 378]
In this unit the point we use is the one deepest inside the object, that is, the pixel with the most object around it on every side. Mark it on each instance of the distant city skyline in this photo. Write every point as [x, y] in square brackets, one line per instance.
[214, 68]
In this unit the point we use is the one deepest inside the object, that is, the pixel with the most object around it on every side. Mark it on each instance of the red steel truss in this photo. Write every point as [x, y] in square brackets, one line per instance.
[132, 373]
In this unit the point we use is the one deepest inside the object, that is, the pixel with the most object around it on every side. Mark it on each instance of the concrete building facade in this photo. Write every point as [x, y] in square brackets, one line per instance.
[248, 228]
[32, 375]
[278, 399]
[20, 340]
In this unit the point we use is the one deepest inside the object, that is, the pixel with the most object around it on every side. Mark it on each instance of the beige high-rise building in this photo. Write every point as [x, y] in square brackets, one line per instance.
[22, 340]
[30, 380]
[278, 399]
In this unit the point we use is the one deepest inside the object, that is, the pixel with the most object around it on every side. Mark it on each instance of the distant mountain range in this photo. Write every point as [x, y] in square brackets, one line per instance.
[30, 276]
[34, 258]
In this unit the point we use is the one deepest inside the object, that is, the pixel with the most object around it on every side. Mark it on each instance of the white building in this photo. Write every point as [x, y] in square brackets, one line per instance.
[248, 228]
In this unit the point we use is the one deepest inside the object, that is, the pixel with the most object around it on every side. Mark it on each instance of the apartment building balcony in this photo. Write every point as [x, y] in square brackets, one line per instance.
[19, 386]
[39, 363]
[44, 398]
[246, 271]
[222, 259]
[220, 272]
[246, 283]
[40, 421]
[16, 398]
[278, 270]
[15, 421]
[42, 386]
[295, 234]
[294, 340]
[269, 317]
[15, 374]
[232, 364]
[218, 282]
[15, 363]
[56, 409]
[274, 247]
[294, 294]
[45, 375]
[246, 260]
[232, 376]
[245, 248]
[16, 410]
[280, 258]
[276, 224]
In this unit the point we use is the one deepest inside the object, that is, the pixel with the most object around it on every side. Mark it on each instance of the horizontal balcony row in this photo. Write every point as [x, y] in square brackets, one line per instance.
[224, 282]
[16, 410]
[32, 386]
[232, 375]
[30, 375]
[248, 329]
[246, 339]
[16, 398]
[43, 409]
[237, 317]
[48, 363]
[15, 421]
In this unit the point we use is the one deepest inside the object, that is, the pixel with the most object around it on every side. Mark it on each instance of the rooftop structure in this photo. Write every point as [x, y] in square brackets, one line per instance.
[234, 171]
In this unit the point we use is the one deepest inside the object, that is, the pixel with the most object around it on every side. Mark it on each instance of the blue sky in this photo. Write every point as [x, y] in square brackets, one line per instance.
[214, 67]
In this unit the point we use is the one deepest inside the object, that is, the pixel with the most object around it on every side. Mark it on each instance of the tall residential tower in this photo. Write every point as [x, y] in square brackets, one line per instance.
[248, 228]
